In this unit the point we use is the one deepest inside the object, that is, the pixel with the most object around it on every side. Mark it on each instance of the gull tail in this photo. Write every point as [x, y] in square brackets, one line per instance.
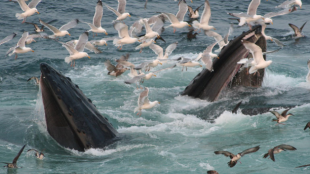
[136, 109]
[68, 59]
[242, 21]
[19, 16]
[115, 42]
[138, 47]
[252, 70]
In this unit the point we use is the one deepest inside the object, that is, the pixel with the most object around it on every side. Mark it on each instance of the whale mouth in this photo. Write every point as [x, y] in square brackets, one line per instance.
[71, 118]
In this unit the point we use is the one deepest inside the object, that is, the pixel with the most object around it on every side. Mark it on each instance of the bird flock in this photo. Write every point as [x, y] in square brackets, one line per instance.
[154, 26]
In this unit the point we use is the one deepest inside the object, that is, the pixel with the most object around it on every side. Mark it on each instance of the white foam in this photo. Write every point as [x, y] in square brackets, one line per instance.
[280, 81]
[206, 166]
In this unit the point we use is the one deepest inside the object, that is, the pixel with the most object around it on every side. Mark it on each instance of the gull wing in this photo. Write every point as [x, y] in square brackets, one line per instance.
[113, 10]
[69, 25]
[284, 113]
[158, 25]
[147, 26]
[197, 9]
[307, 126]
[22, 40]
[286, 147]
[124, 57]
[295, 28]
[122, 29]
[70, 48]
[218, 38]
[172, 18]
[251, 150]
[207, 60]
[136, 27]
[35, 25]
[135, 80]
[23, 5]
[171, 48]
[165, 69]
[82, 42]
[121, 6]
[33, 149]
[8, 38]
[191, 11]
[157, 50]
[255, 50]
[239, 15]
[275, 113]
[230, 31]
[143, 98]
[226, 153]
[92, 48]
[206, 14]
[19, 153]
[253, 7]
[98, 14]
[182, 10]
[50, 27]
[34, 3]
[279, 13]
[109, 66]
[302, 26]
[303, 166]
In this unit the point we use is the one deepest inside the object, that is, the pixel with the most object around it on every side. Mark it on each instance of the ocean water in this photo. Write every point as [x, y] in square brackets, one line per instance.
[181, 134]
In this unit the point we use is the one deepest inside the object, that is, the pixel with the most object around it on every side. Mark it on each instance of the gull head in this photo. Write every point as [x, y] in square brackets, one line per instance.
[67, 33]
[127, 14]
[298, 2]
[37, 11]
[268, 20]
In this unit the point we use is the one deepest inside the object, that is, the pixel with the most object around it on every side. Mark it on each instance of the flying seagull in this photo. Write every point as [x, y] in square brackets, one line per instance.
[278, 149]
[13, 164]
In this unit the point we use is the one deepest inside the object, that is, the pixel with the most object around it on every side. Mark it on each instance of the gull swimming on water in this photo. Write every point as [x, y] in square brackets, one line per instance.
[205, 18]
[235, 158]
[144, 102]
[29, 9]
[297, 30]
[278, 149]
[8, 38]
[20, 47]
[14, 163]
[38, 154]
[77, 51]
[62, 31]
[120, 12]
[123, 34]
[177, 21]
[281, 117]
[96, 25]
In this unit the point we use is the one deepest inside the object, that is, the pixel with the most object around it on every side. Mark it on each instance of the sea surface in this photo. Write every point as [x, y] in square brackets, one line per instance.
[181, 134]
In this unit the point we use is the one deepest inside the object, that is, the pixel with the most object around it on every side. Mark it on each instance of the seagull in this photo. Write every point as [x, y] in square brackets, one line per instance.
[77, 51]
[20, 47]
[218, 38]
[31, 38]
[207, 57]
[205, 18]
[307, 125]
[194, 14]
[123, 34]
[62, 31]
[114, 70]
[36, 79]
[144, 102]
[89, 46]
[267, 17]
[148, 65]
[120, 13]
[38, 154]
[186, 62]
[102, 41]
[124, 61]
[160, 52]
[36, 27]
[150, 34]
[7, 39]
[290, 3]
[13, 164]
[250, 16]
[256, 51]
[297, 30]
[281, 118]
[96, 25]
[29, 9]
[144, 44]
[303, 166]
[280, 44]
[235, 158]
[140, 78]
[278, 149]
[177, 21]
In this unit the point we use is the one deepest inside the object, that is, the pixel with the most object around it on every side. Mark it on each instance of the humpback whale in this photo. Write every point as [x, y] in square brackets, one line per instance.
[71, 118]
[208, 85]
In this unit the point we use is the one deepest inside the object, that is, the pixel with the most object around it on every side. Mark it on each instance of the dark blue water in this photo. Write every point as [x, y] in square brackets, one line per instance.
[173, 137]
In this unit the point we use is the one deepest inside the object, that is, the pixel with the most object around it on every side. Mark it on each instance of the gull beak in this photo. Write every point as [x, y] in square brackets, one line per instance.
[300, 6]
[189, 25]
[88, 57]
[38, 12]
[154, 41]
[218, 57]
[158, 102]
[263, 18]
[272, 23]
[106, 44]
[158, 37]
[32, 51]
[106, 33]
[271, 40]
[200, 65]
[129, 15]
[154, 75]
[214, 28]
[69, 34]
[160, 63]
